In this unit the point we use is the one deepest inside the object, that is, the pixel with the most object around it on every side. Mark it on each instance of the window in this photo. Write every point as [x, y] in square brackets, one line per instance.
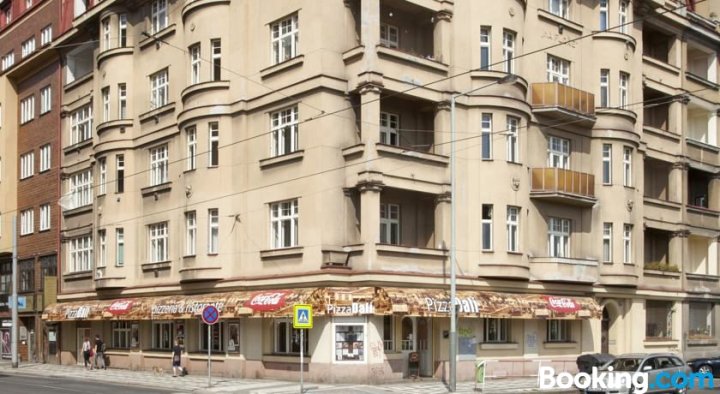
[119, 247]
[5, 277]
[162, 335]
[102, 169]
[121, 334]
[485, 38]
[190, 233]
[627, 166]
[604, 87]
[509, 51]
[191, 138]
[558, 331]
[8, 60]
[701, 325]
[159, 89]
[390, 224]
[45, 99]
[158, 233]
[284, 36]
[81, 125]
[486, 136]
[27, 47]
[214, 144]
[233, 338]
[389, 129]
[45, 217]
[48, 269]
[119, 173]
[284, 131]
[28, 4]
[105, 104]
[287, 339]
[102, 248]
[27, 109]
[284, 224]
[513, 224]
[511, 139]
[349, 342]
[217, 335]
[158, 15]
[658, 319]
[27, 221]
[26, 274]
[27, 165]
[603, 15]
[559, 237]
[559, 153]
[46, 35]
[195, 62]
[122, 101]
[607, 249]
[213, 231]
[607, 164]
[389, 36]
[106, 34]
[624, 79]
[622, 16]
[627, 243]
[497, 330]
[389, 333]
[8, 15]
[122, 30]
[558, 70]
[486, 223]
[80, 253]
[80, 189]
[559, 8]
[216, 53]
[158, 165]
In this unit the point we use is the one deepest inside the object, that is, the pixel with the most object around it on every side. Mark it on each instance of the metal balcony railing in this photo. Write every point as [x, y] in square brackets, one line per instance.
[557, 95]
[563, 181]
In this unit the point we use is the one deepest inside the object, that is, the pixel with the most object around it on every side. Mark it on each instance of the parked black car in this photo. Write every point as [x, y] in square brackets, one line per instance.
[585, 362]
[706, 365]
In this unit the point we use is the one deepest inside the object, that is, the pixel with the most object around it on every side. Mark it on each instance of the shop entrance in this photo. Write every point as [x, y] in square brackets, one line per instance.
[81, 334]
[416, 338]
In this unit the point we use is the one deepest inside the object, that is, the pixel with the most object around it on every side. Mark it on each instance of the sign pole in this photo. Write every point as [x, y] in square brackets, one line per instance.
[209, 361]
[14, 303]
[302, 355]
[210, 315]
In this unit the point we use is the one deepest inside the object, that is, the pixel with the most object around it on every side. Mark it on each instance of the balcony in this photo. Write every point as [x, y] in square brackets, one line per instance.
[564, 269]
[563, 186]
[557, 101]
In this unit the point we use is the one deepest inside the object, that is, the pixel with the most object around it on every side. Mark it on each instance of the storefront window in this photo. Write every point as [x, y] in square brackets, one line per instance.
[135, 335]
[466, 340]
[407, 342]
[701, 321]
[287, 339]
[497, 330]
[216, 333]
[162, 335]
[349, 342]
[388, 333]
[233, 344]
[658, 319]
[121, 334]
[558, 330]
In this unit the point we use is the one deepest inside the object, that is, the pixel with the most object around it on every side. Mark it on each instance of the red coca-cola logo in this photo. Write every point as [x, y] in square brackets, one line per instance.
[562, 304]
[267, 300]
[120, 307]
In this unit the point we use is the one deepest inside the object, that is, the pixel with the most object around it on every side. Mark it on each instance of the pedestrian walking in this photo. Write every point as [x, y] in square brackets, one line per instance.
[176, 353]
[99, 353]
[87, 353]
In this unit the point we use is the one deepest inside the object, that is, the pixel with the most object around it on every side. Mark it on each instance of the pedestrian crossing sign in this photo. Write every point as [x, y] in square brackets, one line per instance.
[302, 316]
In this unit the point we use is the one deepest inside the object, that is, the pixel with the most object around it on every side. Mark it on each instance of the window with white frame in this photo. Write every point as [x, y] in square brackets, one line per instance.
[119, 247]
[607, 164]
[119, 173]
[558, 70]
[486, 136]
[390, 224]
[8, 60]
[284, 131]
[105, 93]
[121, 334]
[604, 87]
[46, 35]
[559, 237]
[45, 99]
[81, 125]
[27, 221]
[191, 152]
[284, 35]
[213, 231]
[623, 86]
[389, 129]
[217, 333]
[627, 243]
[159, 86]
[284, 224]
[190, 233]
[607, 244]
[27, 47]
[623, 16]
[349, 342]
[106, 34]
[102, 248]
[487, 227]
[158, 15]
[287, 338]
[27, 165]
[195, 64]
[159, 165]
[627, 166]
[485, 45]
[216, 59]
[213, 144]
[158, 237]
[558, 152]
[558, 331]
[80, 251]
[163, 335]
[509, 51]
[497, 331]
[8, 15]
[122, 30]
[389, 36]
[102, 170]
[513, 229]
[511, 139]
[603, 15]
[122, 101]
[559, 8]
[80, 189]
[27, 109]
[45, 217]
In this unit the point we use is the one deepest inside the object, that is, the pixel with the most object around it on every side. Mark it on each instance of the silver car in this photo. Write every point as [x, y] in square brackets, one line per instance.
[654, 364]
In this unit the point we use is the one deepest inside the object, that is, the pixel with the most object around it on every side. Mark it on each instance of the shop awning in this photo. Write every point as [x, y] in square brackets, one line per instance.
[330, 301]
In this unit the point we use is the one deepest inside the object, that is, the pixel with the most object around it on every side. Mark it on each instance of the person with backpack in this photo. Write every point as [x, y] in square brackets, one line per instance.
[99, 353]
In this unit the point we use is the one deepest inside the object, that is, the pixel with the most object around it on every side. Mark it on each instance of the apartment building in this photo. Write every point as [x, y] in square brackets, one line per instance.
[255, 155]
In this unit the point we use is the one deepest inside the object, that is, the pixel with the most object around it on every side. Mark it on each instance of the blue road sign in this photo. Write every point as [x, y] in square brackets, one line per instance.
[302, 316]
[210, 315]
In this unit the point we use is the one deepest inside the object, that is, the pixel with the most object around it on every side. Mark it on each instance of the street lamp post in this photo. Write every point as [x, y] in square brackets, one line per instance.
[507, 79]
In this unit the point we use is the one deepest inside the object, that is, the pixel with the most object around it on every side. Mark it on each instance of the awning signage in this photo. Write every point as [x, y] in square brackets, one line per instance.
[267, 300]
[562, 304]
[120, 307]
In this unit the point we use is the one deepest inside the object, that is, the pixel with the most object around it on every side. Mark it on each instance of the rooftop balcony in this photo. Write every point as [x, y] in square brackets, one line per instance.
[563, 186]
[557, 101]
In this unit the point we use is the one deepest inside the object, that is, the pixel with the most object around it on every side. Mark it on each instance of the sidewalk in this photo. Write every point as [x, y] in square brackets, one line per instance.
[198, 383]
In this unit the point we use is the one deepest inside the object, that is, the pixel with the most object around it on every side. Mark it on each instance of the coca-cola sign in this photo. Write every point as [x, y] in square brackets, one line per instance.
[120, 307]
[267, 300]
[562, 304]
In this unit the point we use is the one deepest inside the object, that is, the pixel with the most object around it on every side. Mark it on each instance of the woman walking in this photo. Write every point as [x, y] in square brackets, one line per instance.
[176, 353]
[86, 350]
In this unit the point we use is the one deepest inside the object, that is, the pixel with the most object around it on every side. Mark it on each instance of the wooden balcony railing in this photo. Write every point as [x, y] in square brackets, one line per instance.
[563, 181]
[554, 94]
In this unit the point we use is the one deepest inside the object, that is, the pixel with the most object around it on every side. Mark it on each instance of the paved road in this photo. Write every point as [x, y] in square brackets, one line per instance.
[22, 384]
